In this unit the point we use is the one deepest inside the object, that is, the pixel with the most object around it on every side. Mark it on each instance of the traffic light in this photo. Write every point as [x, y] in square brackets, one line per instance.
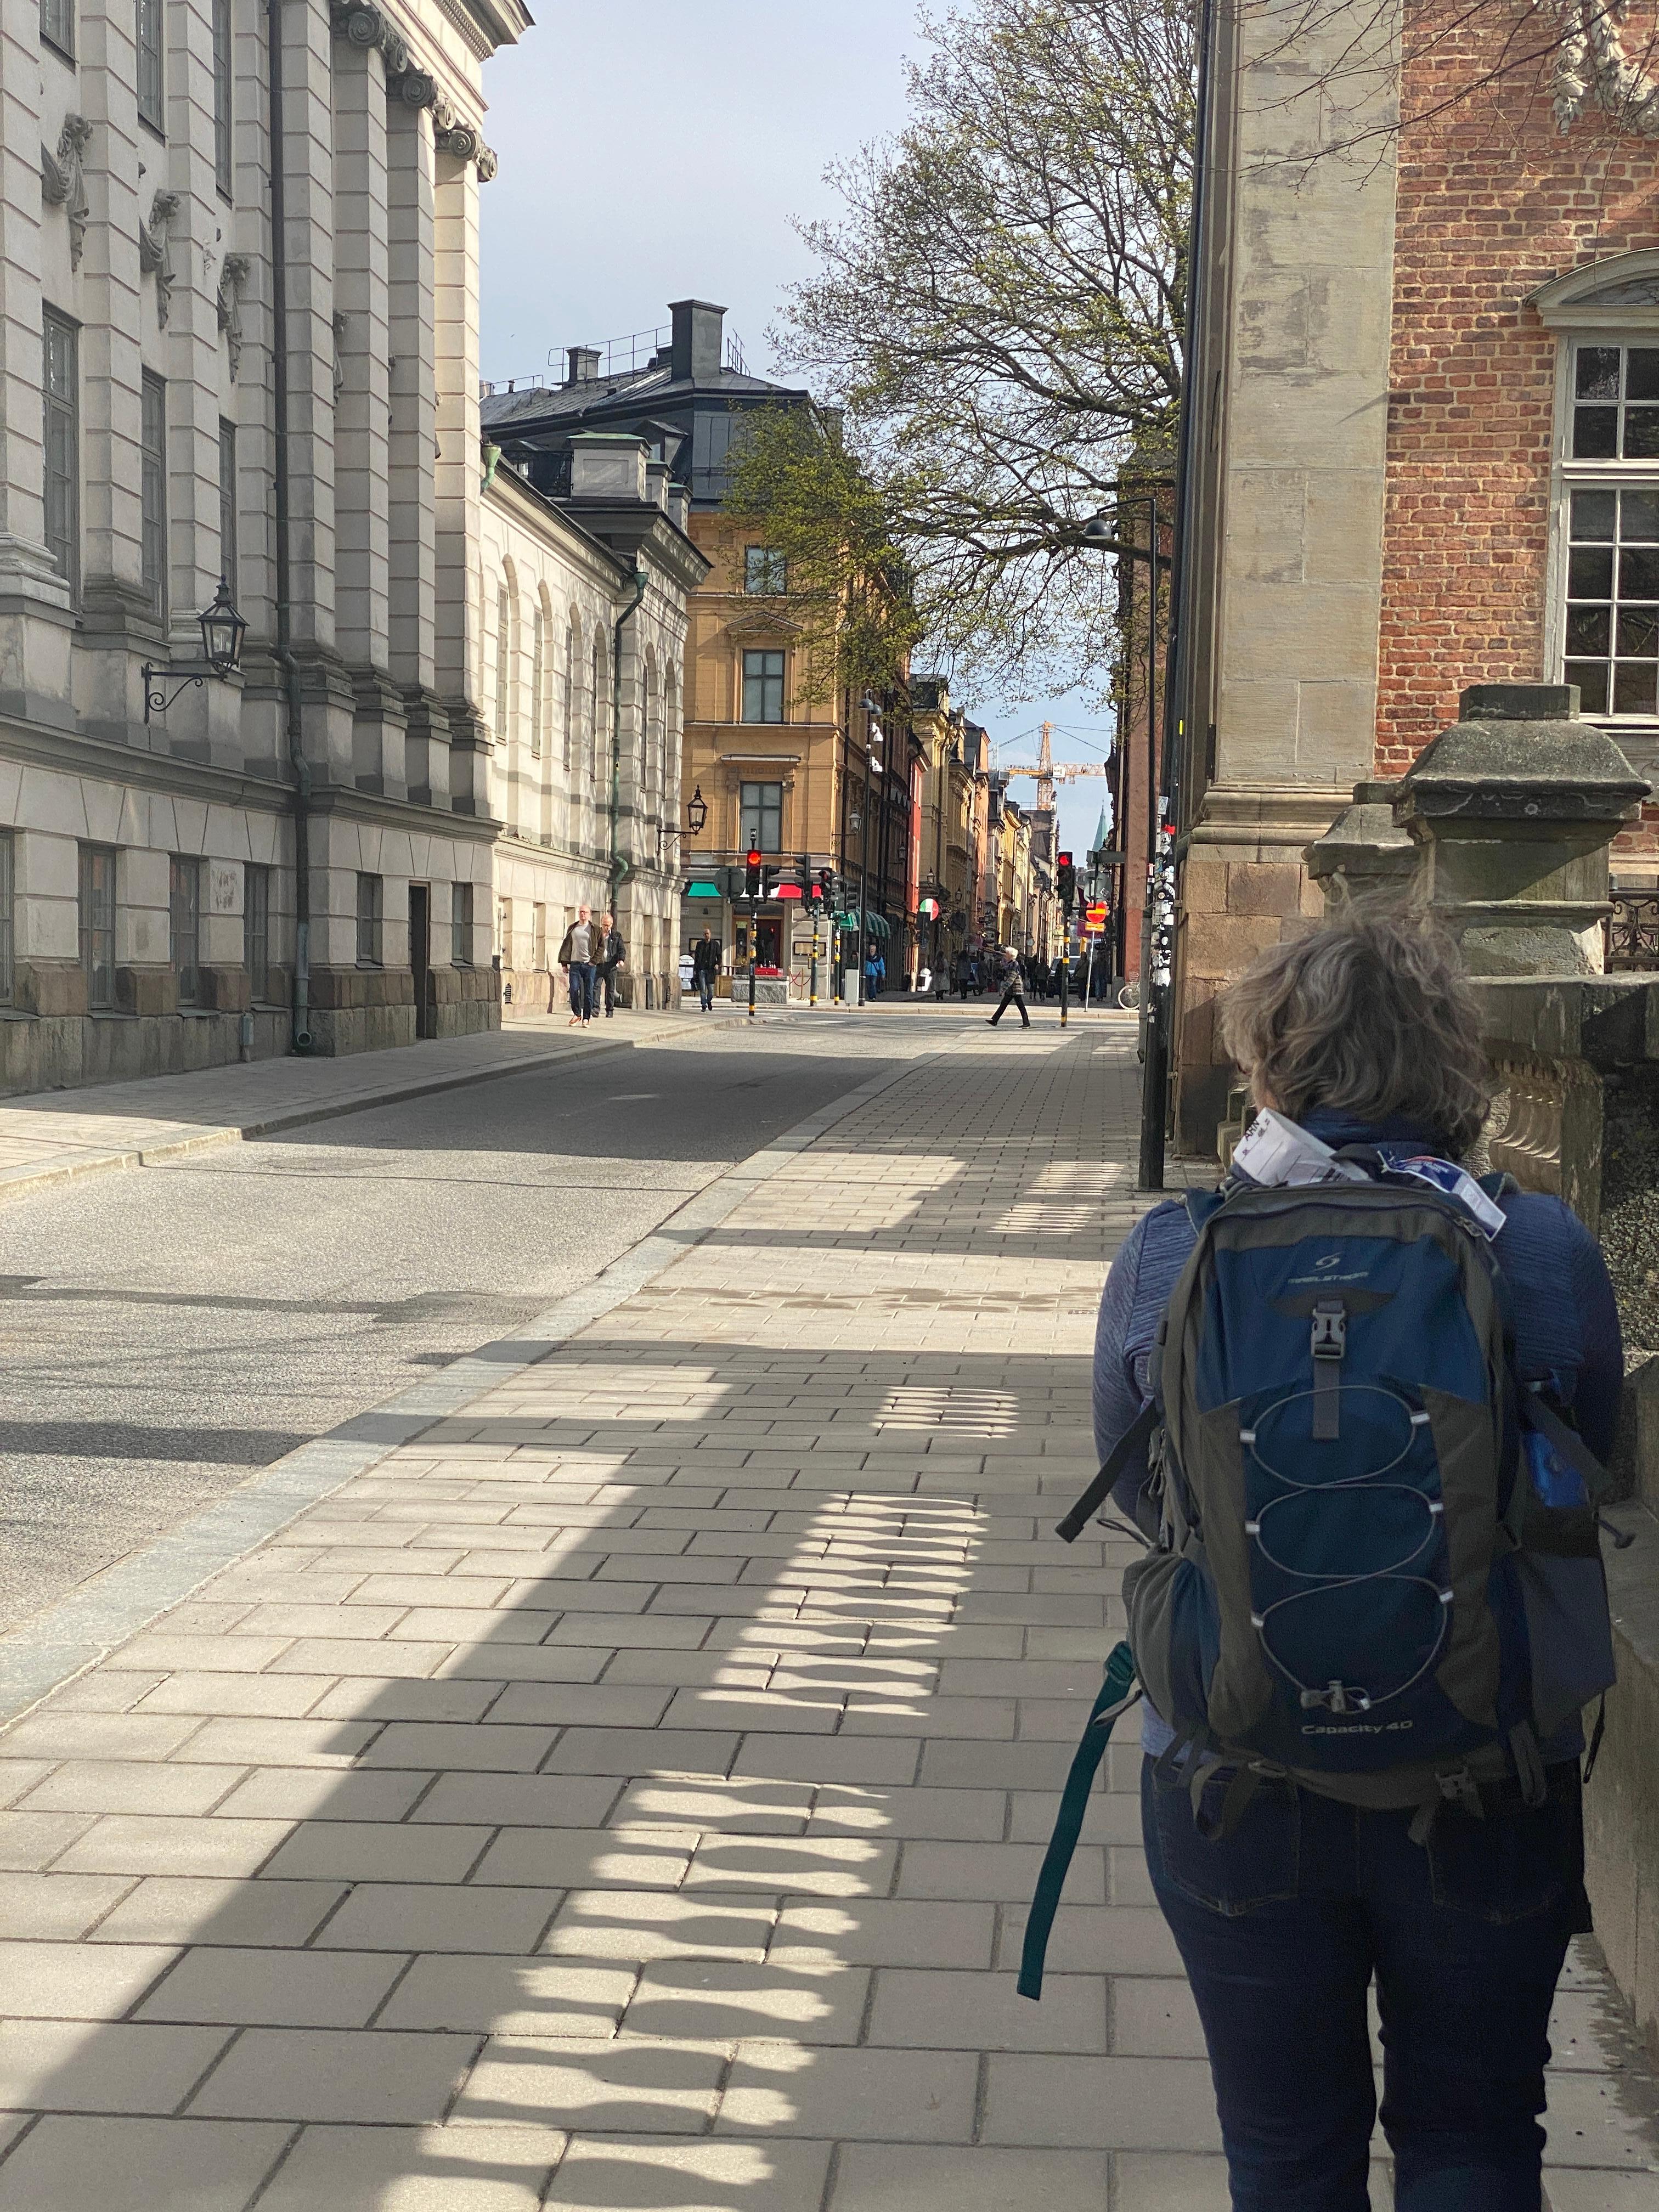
[751, 882]
[826, 889]
[1065, 881]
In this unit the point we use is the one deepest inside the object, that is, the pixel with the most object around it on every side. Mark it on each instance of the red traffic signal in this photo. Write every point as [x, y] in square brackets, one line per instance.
[752, 879]
[1064, 859]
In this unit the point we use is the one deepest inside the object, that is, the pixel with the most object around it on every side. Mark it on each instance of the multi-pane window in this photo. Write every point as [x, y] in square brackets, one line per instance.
[762, 687]
[60, 386]
[764, 569]
[223, 94]
[370, 893]
[149, 34]
[228, 505]
[1616, 409]
[97, 924]
[762, 827]
[57, 26]
[184, 925]
[255, 930]
[460, 925]
[153, 493]
[1612, 599]
[8, 917]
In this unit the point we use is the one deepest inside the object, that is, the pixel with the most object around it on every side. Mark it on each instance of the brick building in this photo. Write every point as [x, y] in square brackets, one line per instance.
[1425, 444]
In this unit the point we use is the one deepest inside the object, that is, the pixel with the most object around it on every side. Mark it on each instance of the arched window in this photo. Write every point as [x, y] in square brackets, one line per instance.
[538, 680]
[1602, 631]
[572, 646]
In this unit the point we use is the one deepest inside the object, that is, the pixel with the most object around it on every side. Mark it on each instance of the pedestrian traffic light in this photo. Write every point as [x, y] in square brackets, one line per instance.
[751, 887]
[1065, 880]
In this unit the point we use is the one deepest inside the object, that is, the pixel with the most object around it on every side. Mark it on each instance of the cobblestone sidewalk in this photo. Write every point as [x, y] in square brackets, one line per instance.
[625, 1793]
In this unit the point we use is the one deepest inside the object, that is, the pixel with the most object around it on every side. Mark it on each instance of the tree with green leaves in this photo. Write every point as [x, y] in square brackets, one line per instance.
[996, 319]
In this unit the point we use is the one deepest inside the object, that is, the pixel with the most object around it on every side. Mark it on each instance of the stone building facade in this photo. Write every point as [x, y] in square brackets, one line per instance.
[780, 763]
[1420, 454]
[583, 628]
[190, 396]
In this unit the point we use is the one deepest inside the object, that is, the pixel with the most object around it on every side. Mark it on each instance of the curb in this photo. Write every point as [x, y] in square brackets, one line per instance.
[83, 1627]
[16, 1182]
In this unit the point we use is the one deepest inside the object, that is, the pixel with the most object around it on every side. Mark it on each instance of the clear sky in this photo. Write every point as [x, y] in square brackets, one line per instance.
[659, 150]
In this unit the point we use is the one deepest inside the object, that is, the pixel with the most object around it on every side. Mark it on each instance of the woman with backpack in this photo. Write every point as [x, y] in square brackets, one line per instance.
[1391, 1561]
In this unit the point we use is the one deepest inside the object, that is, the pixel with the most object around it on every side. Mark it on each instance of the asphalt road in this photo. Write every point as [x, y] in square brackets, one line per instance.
[167, 1331]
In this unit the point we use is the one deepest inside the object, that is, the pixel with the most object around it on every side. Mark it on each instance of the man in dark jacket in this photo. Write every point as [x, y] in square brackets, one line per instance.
[609, 953]
[705, 966]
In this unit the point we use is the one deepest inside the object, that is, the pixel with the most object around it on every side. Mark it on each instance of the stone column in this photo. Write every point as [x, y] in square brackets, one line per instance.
[412, 550]
[361, 374]
[458, 486]
[1365, 853]
[38, 97]
[1513, 809]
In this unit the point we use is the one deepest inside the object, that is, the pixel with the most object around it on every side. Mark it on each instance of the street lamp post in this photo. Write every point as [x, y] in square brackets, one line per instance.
[872, 741]
[223, 631]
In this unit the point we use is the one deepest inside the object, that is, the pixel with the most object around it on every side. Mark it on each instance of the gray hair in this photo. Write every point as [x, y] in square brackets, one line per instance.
[1371, 1016]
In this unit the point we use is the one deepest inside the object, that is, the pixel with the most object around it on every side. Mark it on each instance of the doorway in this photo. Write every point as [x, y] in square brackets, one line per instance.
[420, 959]
[769, 941]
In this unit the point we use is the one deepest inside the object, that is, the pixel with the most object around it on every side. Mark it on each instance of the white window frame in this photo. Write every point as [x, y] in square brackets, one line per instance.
[1613, 302]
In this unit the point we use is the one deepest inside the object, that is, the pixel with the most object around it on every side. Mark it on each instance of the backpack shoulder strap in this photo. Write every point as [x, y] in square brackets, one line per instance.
[1133, 1439]
[1201, 1207]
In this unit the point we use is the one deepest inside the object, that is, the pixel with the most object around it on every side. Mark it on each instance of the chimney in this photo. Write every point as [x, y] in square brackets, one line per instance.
[584, 364]
[606, 465]
[656, 483]
[679, 506]
[699, 331]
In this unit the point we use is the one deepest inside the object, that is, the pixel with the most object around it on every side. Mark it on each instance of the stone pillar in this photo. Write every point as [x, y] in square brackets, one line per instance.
[460, 476]
[1513, 809]
[1365, 853]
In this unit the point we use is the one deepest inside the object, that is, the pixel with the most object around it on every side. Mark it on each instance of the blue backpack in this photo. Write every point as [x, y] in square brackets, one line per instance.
[1374, 1566]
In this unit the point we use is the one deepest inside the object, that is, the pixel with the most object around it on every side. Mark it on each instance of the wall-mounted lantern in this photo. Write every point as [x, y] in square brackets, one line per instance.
[222, 632]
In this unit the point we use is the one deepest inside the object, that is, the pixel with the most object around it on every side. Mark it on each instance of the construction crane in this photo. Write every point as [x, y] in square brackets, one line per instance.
[1048, 771]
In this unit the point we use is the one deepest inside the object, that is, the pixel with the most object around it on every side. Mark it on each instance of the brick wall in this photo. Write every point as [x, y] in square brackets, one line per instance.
[1492, 200]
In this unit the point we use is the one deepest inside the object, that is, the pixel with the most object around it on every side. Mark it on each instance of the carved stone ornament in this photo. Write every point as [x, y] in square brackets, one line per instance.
[233, 275]
[62, 184]
[489, 163]
[155, 251]
[459, 139]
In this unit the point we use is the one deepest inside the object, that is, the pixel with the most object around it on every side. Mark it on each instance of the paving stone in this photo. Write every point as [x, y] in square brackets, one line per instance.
[818, 1866]
[76, 1981]
[1598, 2120]
[953, 1815]
[507, 1659]
[272, 1988]
[566, 1705]
[886, 1931]
[272, 1697]
[370, 1851]
[719, 2000]
[226, 1654]
[99, 1736]
[625, 1752]
[1592, 2192]
[1176, 2182]
[498, 1996]
[480, 1746]
[1154, 2017]
[930, 2009]
[1108, 2103]
[387, 1658]
[725, 1707]
[1095, 1939]
[643, 1925]
[437, 2169]
[326, 2074]
[602, 2085]
[281, 1743]
[1003, 1872]
[57, 2066]
[899, 2096]
[515, 1801]
[138, 1786]
[134, 1844]
[734, 1807]
[588, 1858]
[170, 1909]
[674, 2174]
[56, 1907]
[792, 1758]
[389, 1916]
[67, 2165]
[898, 2178]
[311, 1793]
[19, 1776]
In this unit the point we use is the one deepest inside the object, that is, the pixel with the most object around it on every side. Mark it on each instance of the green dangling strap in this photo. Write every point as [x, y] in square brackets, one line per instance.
[1117, 1694]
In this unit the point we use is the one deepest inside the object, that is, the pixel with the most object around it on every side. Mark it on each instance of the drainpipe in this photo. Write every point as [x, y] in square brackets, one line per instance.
[619, 867]
[282, 652]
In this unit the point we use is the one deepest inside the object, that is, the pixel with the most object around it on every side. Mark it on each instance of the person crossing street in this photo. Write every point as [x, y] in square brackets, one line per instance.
[1013, 988]
[609, 953]
[576, 957]
[705, 966]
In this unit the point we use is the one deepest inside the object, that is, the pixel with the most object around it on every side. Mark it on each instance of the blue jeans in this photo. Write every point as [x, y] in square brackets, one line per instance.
[581, 989]
[1281, 1928]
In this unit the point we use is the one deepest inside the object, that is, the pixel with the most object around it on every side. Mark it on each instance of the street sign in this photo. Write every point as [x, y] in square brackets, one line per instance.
[699, 887]
[1094, 920]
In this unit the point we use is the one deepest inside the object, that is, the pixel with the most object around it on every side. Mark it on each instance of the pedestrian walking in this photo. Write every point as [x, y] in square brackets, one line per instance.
[1013, 989]
[705, 966]
[610, 953]
[1362, 1729]
[576, 959]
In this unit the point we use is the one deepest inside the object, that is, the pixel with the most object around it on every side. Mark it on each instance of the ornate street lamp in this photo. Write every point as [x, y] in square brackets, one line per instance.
[696, 812]
[222, 632]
